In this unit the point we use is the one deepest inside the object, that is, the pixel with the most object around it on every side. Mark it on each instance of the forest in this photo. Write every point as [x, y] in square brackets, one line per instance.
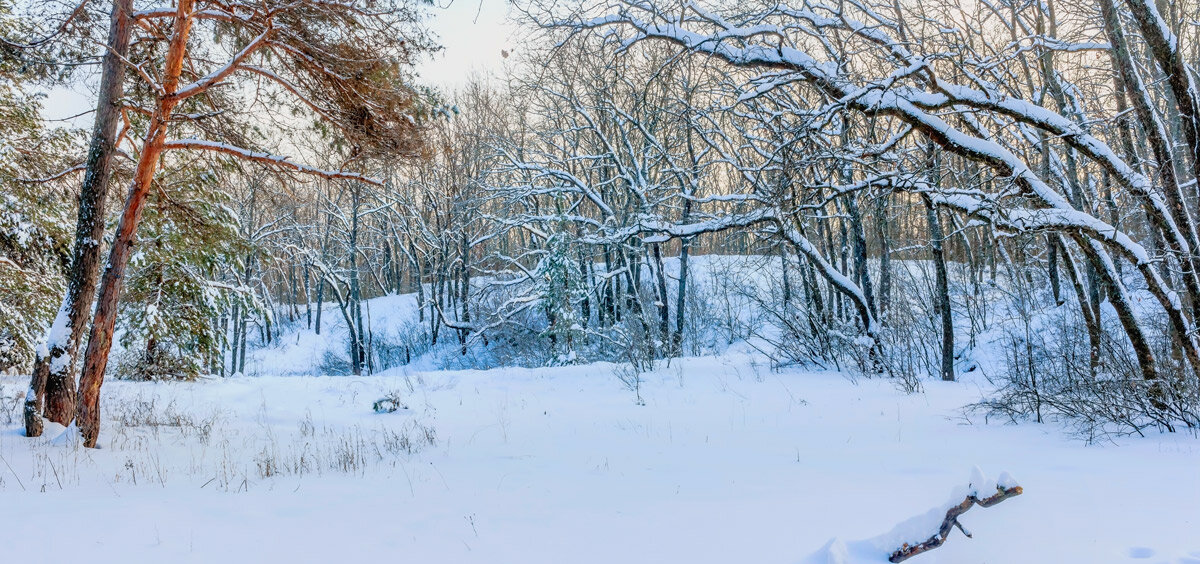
[980, 215]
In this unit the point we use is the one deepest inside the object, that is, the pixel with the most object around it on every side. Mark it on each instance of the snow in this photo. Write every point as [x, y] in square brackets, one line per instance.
[300, 352]
[727, 462]
[1006, 481]
[60, 329]
[723, 460]
[911, 531]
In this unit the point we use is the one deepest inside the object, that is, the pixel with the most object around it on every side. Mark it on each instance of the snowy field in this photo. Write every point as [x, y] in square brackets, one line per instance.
[727, 461]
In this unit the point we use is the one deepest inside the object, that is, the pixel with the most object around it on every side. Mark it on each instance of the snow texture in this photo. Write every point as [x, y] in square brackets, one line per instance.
[726, 461]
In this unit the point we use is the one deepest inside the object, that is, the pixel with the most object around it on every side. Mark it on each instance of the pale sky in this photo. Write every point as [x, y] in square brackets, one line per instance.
[473, 34]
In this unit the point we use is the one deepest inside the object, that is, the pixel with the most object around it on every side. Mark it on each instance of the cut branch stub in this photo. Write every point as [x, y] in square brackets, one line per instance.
[908, 551]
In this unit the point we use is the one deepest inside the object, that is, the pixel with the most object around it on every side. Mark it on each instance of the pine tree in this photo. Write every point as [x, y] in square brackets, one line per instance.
[175, 286]
[35, 206]
[561, 289]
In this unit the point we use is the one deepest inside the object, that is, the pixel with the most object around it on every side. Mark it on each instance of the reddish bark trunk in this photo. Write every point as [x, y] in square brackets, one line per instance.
[100, 339]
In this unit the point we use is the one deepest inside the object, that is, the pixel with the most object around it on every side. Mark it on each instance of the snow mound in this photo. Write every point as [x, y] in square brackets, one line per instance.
[61, 436]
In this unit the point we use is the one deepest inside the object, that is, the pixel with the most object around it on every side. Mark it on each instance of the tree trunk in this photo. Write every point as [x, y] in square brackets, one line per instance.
[1182, 236]
[308, 313]
[861, 273]
[787, 282]
[1052, 267]
[1165, 48]
[664, 311]
[464, 288]
[1090, 313]
[357, 353]
[1102, 264]
[419, 273]
[943, 290]
[685, 246]
[53, 378]
[100, 339]
[885, 258]
[321, 278]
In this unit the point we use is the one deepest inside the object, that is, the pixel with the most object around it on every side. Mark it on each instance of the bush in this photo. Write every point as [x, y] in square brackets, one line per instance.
[163, 365]
[1048, 376]
[335, 364]
[732, 295]
[400, 346]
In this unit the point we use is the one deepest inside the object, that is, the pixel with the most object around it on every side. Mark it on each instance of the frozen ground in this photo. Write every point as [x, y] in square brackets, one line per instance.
[728, 462]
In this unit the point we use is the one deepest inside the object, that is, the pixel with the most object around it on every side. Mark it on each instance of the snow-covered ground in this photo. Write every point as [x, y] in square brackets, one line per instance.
[727, 461]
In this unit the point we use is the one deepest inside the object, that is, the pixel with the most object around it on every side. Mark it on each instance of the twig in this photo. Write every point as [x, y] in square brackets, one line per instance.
[14, 472]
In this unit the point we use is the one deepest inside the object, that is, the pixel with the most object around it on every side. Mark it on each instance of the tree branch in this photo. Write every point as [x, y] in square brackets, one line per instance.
[267, 158]
[951, 521]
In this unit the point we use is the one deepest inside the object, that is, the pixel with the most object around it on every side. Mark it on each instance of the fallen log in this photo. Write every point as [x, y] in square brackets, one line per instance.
[907, 551]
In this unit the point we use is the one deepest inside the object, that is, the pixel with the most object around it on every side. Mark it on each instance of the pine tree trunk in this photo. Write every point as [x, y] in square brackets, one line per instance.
[95, 359]
[224, 345]
[585, 271]
[53, 380]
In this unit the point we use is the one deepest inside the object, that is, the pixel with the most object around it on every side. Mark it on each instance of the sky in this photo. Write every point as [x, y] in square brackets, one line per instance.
[474, 34]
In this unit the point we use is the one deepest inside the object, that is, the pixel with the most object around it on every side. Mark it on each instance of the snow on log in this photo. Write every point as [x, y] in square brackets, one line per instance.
[1006, 488]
